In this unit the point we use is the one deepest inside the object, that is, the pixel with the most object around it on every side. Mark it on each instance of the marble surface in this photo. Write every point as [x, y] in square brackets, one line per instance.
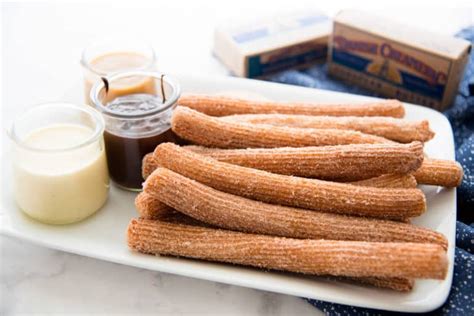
[41, 46]
[36, 279]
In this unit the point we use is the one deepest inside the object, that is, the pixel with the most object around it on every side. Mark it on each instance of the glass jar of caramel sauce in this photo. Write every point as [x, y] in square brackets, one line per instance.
[136, 120]
[110, 56]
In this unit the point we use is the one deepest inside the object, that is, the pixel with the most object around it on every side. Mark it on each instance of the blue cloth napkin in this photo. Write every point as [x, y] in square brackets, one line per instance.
[461, 116]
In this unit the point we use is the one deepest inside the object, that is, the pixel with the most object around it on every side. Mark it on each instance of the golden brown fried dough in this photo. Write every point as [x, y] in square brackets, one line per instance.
[432, 171]
[292, 191]
[319, 257]
[391, 128]
[389, 181]
[237, 213]
[221, 106]
[146, 208]
[337, 163]
[440, 172]
[398, 284]
[210, 131]
[149, 164]
[150, 207]
[345, 162]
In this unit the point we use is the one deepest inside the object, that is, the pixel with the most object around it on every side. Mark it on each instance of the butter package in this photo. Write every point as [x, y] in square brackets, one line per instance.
[258, 49]
[396, 60]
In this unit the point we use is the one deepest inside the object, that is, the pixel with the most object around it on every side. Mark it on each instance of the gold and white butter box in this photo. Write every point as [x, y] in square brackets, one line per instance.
[395, 60]
[292, 40]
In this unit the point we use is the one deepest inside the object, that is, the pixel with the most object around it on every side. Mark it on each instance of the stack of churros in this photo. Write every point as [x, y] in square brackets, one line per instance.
[319, 189]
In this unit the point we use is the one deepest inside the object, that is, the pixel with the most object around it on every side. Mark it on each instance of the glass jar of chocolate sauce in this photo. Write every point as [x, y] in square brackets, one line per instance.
[136, 122]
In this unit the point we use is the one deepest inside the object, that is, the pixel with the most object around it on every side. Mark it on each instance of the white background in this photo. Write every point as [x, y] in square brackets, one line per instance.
[41, 47]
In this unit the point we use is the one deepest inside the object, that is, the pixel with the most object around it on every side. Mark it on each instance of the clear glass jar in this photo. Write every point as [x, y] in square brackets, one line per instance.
[115, 55]
[135, 122]
[59, 165]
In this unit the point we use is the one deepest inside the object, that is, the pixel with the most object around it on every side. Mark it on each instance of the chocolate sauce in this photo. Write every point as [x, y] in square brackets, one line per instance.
[124, 156]
[127, 141]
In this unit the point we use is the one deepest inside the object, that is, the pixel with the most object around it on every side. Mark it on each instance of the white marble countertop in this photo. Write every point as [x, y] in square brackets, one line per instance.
[41, 47]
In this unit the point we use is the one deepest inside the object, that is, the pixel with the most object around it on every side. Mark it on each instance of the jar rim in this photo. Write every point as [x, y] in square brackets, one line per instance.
[94, 114]
[170, 102]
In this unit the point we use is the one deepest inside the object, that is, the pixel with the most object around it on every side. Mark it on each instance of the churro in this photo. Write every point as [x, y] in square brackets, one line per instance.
[383, 181]
[432, 171]
[338, 163]
[210, 131]
[150, 207]
[167, 214]
[319, 257]
[149, 164]
[241, 214]
[292, 191]
[222, 106]
[440, 172]
[391, 128]
[389, 181]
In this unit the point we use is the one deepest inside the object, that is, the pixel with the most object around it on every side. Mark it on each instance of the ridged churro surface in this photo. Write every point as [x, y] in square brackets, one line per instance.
[149, 164]
[237, 213]
[389, 181]
[386, 180]
[432, 171]
[338, 163]
[221, 106]
[150, 207]
[292, 191]
[319, 257]
[210, 131]
[383, 181]
[391, 128]
[172, 216]
[146, 208]
[440, 172]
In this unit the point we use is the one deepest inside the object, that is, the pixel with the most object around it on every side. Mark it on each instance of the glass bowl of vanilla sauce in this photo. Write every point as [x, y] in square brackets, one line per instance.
[59, 165]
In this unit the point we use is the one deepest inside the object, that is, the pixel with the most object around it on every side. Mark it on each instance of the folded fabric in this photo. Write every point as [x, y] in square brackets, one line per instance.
[461, 116]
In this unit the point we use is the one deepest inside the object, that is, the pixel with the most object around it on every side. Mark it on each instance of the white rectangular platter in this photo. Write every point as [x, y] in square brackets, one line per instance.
[102, 236]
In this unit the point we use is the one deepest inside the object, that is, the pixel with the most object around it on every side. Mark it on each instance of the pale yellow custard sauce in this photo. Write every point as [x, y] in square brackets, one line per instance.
[58, 180]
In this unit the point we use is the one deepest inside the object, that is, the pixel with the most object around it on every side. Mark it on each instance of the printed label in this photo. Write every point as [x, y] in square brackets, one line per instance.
[297, 55]
[400, 65]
